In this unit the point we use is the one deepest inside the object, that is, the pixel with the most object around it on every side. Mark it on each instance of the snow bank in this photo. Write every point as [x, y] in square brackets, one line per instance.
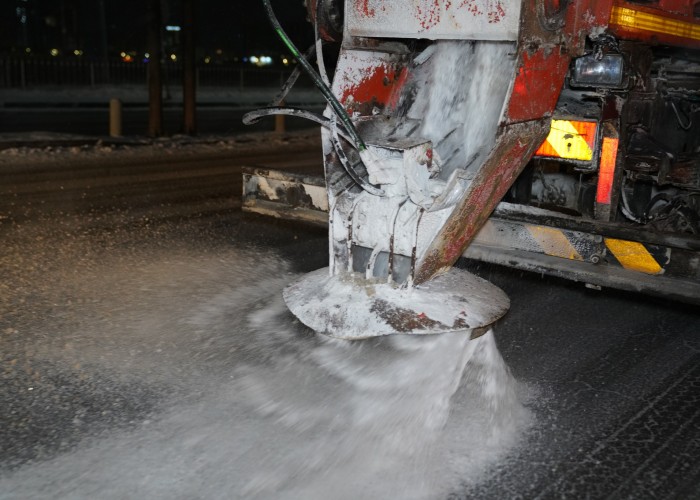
[41, 148]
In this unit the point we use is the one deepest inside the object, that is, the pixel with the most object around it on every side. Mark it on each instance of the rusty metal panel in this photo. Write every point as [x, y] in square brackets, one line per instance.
[366, 81]
[539, 75]
[285, 195]
[514, 148]
[551, 34]
[285, 187]
[434, 19]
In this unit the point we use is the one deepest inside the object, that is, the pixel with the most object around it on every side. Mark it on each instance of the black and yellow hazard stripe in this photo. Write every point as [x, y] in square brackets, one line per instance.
[575, 245]
[554, 242]
[635, 256]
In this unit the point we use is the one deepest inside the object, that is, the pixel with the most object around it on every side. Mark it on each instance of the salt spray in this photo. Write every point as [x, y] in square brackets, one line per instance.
[376, 425]
[260, 406]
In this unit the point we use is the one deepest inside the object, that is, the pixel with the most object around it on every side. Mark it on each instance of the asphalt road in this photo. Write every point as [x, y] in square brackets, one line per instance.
[146, 353]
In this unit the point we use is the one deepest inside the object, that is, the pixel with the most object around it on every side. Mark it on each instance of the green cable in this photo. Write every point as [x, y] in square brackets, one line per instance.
[327, 93]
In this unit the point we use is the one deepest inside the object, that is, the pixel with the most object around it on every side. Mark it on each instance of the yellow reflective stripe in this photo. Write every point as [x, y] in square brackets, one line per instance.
[635, 19]
[633, 255]
[567, 141]
[553, 242]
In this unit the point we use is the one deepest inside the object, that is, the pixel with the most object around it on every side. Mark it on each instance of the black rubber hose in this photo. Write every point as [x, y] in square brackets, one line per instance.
[254, 116]
[319, 47]
[282, 94]
[318, 81]
[345, 162]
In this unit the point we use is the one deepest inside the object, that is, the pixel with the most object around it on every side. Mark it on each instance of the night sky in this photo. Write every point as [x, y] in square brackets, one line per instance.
[237, 27]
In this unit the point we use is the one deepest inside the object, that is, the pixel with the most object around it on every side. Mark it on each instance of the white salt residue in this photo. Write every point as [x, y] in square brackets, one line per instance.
[267, 409]
[347, 308]
[460, 91]
[431, 19]
[271, 187]
[373, 423]
[376, 436]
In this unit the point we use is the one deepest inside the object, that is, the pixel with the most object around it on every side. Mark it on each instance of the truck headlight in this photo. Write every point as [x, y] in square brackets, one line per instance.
[592, 72]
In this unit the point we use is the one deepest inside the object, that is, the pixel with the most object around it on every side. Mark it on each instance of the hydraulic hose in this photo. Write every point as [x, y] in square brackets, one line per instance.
[282, 94]
[318, 81]
[345, 162]
[254, 116]
[319, 47]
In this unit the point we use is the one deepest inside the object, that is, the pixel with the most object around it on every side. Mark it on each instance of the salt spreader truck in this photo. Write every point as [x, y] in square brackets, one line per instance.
[555, 136]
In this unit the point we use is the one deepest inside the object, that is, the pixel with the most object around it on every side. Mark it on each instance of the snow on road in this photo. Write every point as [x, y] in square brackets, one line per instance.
[40, 148]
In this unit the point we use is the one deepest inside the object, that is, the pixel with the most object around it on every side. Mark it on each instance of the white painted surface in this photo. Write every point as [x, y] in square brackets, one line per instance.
[458, 19]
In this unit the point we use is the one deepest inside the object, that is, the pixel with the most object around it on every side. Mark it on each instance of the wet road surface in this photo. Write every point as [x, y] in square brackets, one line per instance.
[146, 353]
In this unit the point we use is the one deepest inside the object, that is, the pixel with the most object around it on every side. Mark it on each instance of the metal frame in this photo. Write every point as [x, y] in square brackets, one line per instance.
[530, 239]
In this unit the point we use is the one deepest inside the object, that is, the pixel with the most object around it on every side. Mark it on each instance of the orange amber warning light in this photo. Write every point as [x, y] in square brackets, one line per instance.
[569, 140]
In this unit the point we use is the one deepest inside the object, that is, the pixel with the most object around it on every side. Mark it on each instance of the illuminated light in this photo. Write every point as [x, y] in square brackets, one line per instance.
[53, 52]
[643, 21]
[28, 50]
[633, 255]
[219, 52]
[173, 57]
[569, 140]
[147, 55]
[285, 61]
[260, 60]
[127, 58]
[207, 60]
[78, 52]
[606, 170]
[122, 54]
[172, 27]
